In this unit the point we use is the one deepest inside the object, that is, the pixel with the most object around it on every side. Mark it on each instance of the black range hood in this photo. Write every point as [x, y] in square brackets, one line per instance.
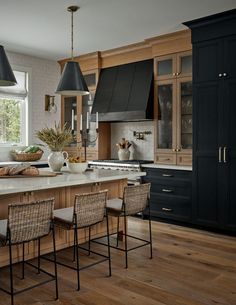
[125, 93]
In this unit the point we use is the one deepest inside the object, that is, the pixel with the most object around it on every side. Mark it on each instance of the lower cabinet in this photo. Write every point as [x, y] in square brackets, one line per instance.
[170, 193]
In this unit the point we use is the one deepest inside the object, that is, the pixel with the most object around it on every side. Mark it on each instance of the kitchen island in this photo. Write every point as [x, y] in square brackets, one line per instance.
[63, 188]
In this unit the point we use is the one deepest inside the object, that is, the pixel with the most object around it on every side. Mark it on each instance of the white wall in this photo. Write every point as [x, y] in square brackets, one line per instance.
[45, 76]
[143, 149]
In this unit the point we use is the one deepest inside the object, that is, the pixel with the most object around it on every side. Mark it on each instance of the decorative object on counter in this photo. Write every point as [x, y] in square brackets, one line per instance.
[123, 151]
[139, 135]
[50, 104]
[72, 81]
[85, 135]
[7, 77]
[76, 165]
[30, 153]
[56, 139]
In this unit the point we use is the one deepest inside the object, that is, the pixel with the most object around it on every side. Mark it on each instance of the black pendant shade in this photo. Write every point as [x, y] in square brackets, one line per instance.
[7, 77]
[72, 81]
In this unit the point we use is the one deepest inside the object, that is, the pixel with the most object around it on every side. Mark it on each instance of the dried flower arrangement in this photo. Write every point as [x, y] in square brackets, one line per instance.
[124, 144]
[56, 138]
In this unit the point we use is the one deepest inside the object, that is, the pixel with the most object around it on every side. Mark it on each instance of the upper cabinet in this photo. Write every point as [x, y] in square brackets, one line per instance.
[173, 109]
[173, 65]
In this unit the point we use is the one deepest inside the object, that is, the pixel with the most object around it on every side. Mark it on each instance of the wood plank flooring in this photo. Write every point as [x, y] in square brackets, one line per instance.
[189, 267]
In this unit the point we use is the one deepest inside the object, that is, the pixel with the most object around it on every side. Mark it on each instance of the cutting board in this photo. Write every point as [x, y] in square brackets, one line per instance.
[41, 174]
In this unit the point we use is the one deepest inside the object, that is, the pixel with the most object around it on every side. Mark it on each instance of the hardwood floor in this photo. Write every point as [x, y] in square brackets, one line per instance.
[189, 267]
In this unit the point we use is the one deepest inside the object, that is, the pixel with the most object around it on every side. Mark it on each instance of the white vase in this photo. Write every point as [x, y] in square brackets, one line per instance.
[56, 160]
[123, 154]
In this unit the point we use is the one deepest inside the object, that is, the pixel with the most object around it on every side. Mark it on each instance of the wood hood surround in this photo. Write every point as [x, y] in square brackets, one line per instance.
[150, 48]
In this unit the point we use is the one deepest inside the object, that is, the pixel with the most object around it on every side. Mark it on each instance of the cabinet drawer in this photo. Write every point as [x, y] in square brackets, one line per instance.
[176, 207]
[168, 174]
[165, 158]
[172, 189]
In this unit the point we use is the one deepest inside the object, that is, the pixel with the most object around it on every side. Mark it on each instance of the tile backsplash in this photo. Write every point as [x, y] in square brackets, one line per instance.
[140, 149]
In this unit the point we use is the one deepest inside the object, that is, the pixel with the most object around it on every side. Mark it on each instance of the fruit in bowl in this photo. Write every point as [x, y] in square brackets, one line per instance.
[76, 165]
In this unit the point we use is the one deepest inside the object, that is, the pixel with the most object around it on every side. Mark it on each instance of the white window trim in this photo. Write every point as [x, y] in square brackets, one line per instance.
[27, 115]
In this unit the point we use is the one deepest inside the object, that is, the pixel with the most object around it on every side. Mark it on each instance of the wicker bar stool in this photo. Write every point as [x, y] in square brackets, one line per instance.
[135, 200]
[27, 222]
[89, 209]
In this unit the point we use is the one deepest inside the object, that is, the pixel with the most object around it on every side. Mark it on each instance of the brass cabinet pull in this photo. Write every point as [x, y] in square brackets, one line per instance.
[178, 73]
[167, 175]
[173, 149]
[220, 155]
[167, 191]
[224, 154]
[220, 74]
[224, 74]
[167, 209]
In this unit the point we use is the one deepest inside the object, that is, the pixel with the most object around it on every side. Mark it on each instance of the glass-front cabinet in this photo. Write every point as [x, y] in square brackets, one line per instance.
[173, 111]
[173, 65]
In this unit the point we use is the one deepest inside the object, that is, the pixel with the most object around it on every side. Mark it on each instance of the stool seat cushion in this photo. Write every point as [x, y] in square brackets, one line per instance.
[114, 206]
[64, 217]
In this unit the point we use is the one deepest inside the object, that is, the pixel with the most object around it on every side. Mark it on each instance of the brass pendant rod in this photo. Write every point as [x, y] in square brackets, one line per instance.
[72, 9]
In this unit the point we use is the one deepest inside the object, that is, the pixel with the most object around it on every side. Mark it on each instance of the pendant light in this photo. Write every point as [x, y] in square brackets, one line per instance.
[7, 77]
[72, 81]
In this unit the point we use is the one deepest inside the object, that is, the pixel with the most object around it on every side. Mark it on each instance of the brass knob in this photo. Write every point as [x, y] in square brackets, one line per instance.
[224, 74]
[220, 74]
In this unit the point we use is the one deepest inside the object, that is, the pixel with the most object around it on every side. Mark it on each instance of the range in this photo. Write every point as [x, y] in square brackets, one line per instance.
[125, 165]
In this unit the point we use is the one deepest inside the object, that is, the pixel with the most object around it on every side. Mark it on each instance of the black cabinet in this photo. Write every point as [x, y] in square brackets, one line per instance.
[170, 193]
[214, 120]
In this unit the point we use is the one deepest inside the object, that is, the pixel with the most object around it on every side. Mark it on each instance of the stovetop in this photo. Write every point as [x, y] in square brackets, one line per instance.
[122, 161]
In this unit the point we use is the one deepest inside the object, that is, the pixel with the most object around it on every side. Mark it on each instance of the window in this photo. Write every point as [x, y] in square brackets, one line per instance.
[13, 111]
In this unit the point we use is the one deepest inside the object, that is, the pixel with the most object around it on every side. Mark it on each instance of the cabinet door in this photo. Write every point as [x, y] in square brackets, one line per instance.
[184, 64]
[70, 115]
[207, 61]
[184, 114]
[229, 208]
[207, 115]
[165, 67]
[229, 57]
[91, 79]
[91, 136]
[166, 116]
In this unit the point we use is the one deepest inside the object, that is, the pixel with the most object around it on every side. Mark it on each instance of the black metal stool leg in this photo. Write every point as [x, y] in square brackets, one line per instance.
[23, 261]
[126, 248]
[118, 226]
[89, 243]
[150, 233]
[77, 257]
[74, 248]
[55, 260]
[11, 273]
[108, 246]
[38, 255]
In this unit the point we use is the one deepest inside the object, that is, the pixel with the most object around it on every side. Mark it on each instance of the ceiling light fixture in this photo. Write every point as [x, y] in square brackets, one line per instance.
[72, 81]
[7, 77]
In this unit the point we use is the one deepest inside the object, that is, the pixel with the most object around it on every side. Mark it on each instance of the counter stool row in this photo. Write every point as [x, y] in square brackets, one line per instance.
[32, 221]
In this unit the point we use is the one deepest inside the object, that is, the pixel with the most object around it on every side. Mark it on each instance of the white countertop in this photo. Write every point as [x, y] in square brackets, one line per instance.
[18, 185]
[177, 167]
[9, 163]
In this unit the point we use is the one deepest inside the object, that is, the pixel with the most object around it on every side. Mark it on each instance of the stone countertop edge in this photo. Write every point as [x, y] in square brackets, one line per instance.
[10, 163]
[162, 166]
[19, 185]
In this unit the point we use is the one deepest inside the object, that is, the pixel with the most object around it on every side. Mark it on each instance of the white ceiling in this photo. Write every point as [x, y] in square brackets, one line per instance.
[42, 27]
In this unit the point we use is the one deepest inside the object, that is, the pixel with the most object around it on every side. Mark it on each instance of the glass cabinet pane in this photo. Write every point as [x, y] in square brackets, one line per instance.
[87, 102]
[70, 114]
[164, 67]
[186, 114]
[186, 64]
[165, 109]
[90, 79]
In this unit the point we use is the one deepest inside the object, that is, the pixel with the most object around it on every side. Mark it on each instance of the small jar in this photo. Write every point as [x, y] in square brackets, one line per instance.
[123, 154]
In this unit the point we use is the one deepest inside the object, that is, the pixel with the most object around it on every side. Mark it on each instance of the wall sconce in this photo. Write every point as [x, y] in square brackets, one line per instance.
[50, 105]
[139, 135]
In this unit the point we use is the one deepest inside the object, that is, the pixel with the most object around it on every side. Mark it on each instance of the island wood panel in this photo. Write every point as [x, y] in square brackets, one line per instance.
[64, 197]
